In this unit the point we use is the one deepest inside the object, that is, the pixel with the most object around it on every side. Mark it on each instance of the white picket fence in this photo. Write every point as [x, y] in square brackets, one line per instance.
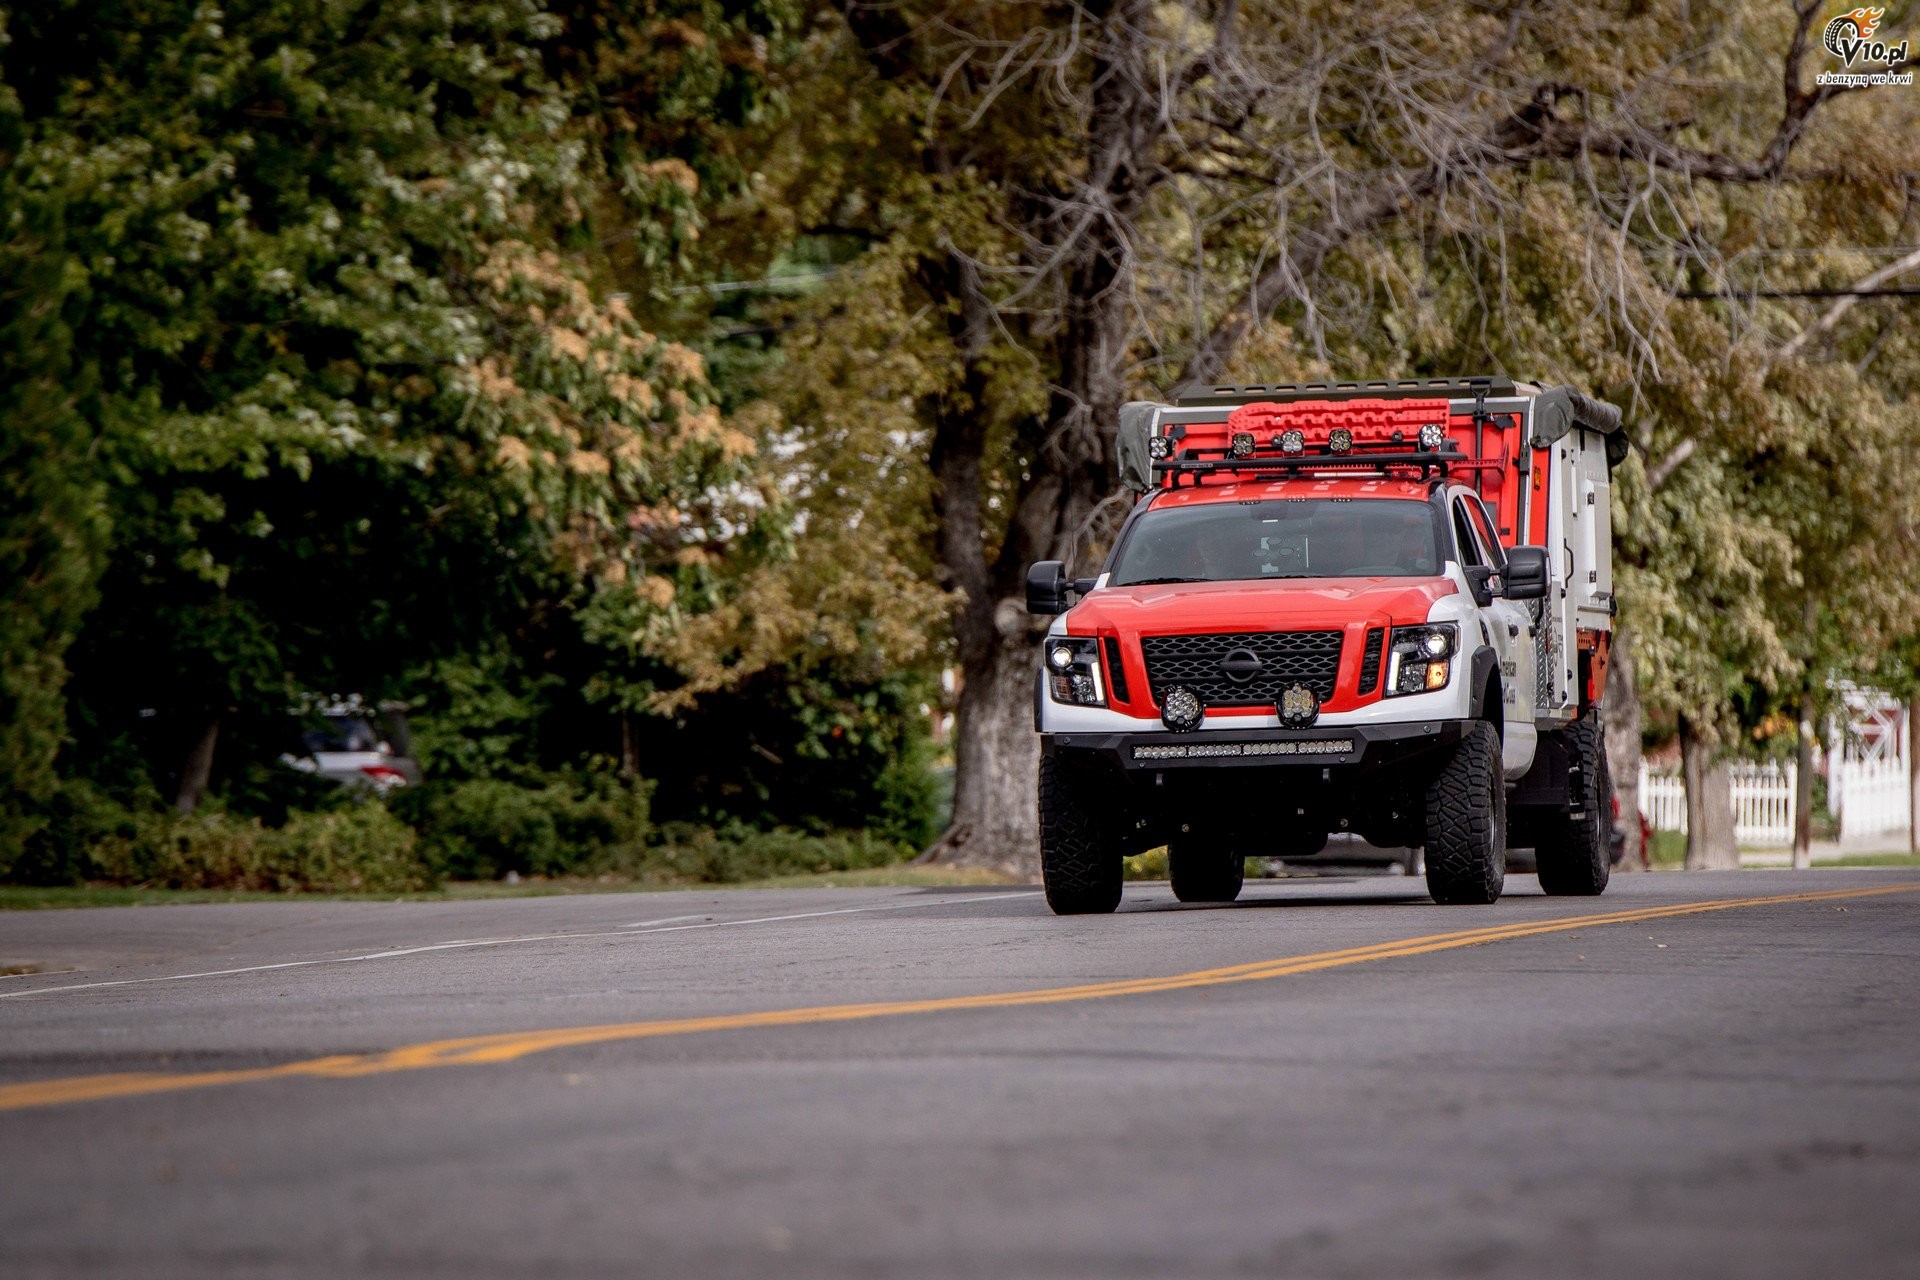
[1762, 802]
[1663, 799]
[1869, 797]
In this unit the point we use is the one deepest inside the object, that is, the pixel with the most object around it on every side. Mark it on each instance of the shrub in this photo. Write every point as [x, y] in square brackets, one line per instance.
[204, 850]
[735, 853]
[572, 825]
[363, 848]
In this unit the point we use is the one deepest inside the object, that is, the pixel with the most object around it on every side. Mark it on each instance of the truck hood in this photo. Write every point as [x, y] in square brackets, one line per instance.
[1257, 606]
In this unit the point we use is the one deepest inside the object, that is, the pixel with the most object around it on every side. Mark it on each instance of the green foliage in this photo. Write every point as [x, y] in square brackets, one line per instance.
[361, 848]
[733, 853]
[813, 750]
[483, 828]
[358, 404]
[472, 715]
[50, 527]
[342, 367]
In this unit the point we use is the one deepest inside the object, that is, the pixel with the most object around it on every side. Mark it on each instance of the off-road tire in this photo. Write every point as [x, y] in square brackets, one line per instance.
[1205, 873]
[1574, 855]
[1080, 864]
[1466, 845]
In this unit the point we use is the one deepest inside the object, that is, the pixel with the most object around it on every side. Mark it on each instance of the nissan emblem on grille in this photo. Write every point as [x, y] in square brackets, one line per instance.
[1241, 665]
[1243, 668]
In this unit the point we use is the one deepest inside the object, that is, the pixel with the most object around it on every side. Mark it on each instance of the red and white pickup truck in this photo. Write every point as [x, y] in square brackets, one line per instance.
[1381, 608]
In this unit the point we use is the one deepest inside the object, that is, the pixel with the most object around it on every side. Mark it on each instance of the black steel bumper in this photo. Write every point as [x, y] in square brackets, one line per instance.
[1366, 747]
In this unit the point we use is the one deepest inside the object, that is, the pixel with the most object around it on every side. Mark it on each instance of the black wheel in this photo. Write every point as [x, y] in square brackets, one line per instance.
[1466, 846]
[1203, 872]
[1574, 849]
[1079, 862]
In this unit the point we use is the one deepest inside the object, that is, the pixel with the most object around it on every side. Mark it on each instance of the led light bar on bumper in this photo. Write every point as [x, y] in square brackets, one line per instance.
[1073, 671]
[1420, 659]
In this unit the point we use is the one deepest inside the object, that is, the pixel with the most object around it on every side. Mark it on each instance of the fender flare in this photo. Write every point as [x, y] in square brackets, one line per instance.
[1484, 672]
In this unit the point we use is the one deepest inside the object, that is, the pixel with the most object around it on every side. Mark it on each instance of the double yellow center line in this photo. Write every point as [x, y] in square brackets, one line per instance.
[513, 1045]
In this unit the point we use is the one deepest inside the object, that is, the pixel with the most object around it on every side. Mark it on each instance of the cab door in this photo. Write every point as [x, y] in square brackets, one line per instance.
[1508, 629]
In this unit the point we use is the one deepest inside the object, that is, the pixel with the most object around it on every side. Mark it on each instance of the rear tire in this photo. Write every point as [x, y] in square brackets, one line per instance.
[1466, 845]
[1203, 874]
[1574, 853]
[1080, 864]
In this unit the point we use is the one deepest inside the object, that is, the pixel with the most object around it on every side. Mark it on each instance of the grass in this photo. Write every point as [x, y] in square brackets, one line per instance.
[1872, 860]
[1667, 850]
[27, 898]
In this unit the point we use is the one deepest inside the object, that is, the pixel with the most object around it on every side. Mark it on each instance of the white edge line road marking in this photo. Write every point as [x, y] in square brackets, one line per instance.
[624, 931]
[648, 924]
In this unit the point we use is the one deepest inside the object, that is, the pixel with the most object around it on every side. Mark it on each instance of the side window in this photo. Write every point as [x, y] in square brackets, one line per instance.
[1483, 525]
[1470, 553]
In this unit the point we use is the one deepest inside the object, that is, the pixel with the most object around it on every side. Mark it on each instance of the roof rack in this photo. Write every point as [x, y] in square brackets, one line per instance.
[1427, 462]
[1386, 389]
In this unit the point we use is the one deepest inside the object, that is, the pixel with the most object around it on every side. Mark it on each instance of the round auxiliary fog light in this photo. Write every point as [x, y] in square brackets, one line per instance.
[1340, 440]
[1432, 435]
[1292, 441]
[1299, 706]
[1160, 448]
[1180, 709]
[1242, 444]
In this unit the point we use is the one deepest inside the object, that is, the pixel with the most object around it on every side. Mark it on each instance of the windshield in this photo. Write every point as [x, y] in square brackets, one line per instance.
[1281, 538]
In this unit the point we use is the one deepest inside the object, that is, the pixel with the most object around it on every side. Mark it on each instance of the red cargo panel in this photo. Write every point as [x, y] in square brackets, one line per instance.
[1371, 421]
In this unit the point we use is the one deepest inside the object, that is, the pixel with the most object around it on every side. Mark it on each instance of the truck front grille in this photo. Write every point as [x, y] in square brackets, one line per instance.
[1202, 663]
[1370, 659]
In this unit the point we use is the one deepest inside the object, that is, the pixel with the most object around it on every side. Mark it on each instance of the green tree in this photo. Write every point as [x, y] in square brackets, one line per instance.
[50, 523]
[1081, 203]
[359, 401]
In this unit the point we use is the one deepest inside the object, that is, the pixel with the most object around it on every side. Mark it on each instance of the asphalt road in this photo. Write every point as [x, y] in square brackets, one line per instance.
[1330, 1078]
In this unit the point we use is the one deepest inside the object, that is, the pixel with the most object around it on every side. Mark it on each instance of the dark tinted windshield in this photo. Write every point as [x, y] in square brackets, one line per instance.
[1281, 538]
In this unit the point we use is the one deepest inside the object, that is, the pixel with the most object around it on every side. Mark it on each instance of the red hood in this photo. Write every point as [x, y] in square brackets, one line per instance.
[1257, 606]
[1352, 605]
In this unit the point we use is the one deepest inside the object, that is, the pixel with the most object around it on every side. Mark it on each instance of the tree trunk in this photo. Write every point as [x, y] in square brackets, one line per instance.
[1071, 470]
[197, 770]
[1710, 842]
[996, 795]
[629, 747]
[1803, 785]
[1623, 722]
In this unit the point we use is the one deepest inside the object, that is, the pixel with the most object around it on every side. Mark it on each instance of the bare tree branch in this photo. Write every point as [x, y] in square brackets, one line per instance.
[1838, 311]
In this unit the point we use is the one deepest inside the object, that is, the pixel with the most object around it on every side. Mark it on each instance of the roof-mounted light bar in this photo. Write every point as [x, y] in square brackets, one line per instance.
[1345, 462]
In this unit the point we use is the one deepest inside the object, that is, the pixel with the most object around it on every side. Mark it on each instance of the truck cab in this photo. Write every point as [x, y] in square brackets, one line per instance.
[1380, 609]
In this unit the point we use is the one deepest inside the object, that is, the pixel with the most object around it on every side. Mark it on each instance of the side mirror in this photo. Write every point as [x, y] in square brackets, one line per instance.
[1481, 578]
[1047, 587]
[1527, 573]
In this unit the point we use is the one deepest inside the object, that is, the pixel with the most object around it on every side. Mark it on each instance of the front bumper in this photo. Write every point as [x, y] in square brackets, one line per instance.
[1361, 747]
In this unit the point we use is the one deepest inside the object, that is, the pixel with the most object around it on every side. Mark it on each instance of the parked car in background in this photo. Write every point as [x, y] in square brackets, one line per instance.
[356, 745]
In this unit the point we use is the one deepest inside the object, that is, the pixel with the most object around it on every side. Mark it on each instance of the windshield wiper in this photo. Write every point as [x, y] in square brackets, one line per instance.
[1159, 582]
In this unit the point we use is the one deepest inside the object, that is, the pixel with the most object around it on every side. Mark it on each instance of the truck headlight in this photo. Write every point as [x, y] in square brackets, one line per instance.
[1420, 659]
[1073, 671]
